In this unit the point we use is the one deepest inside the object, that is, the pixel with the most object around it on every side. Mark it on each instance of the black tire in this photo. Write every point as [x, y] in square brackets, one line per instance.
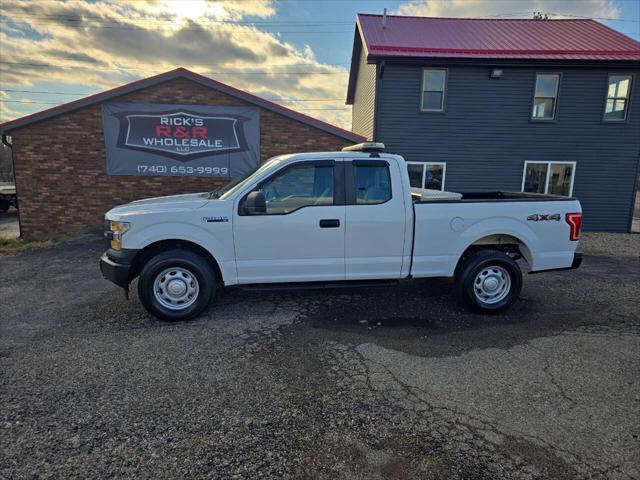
[185, 260]
[4, 205]
[467, 278]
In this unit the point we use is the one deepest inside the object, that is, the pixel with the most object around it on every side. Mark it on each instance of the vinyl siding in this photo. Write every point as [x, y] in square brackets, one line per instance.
[364, 99]
[485, 134]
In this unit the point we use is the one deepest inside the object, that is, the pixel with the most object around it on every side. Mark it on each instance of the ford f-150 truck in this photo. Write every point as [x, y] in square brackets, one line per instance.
[345, 217]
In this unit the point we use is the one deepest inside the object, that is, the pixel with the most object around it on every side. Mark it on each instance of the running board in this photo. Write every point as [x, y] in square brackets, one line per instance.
[270, 287]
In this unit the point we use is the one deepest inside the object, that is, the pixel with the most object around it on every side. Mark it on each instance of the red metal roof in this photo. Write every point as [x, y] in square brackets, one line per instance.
[492, 38]
[10, 125]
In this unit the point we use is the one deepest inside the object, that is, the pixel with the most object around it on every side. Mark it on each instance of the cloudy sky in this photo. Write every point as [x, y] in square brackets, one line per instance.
[293, 51]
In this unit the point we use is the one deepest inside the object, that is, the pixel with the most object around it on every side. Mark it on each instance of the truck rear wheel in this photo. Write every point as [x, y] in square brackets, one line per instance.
[488, 281]
[176, 285]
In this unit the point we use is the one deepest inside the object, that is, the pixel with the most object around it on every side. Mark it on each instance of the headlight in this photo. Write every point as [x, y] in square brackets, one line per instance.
[118, 229]
[120, 226]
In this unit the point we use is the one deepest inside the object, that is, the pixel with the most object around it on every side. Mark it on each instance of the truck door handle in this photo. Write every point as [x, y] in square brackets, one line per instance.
[330, 223]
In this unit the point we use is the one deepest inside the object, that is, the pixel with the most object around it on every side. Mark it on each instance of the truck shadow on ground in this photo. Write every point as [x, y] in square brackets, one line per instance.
[421, 316]
[424, 317]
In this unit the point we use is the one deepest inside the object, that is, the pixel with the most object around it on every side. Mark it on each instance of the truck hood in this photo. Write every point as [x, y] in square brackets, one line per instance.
[171, 203]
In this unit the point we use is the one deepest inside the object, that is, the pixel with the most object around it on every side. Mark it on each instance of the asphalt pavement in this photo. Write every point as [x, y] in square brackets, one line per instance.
[393, 382]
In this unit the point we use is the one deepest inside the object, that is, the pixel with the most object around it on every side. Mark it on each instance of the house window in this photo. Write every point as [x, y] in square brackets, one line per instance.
[617, 98]
[427, 175]
[546, 96]
[433, 90]
[554, 178]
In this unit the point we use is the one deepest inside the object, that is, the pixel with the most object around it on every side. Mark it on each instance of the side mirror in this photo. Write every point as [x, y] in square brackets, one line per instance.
[255, 204]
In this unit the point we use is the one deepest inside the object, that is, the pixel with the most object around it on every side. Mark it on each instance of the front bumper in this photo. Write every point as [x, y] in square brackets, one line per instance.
[116, 270]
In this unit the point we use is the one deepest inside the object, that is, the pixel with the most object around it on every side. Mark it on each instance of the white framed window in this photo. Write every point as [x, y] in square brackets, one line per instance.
[429, 175]
[555, 178]
[619, 88]
[545, 97]
[434, 86]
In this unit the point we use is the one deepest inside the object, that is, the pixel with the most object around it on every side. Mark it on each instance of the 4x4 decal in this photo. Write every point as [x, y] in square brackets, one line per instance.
[541, 217]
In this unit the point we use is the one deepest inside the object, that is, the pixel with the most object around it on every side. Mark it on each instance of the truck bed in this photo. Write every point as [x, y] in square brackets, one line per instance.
[445, 229]
[496, 196]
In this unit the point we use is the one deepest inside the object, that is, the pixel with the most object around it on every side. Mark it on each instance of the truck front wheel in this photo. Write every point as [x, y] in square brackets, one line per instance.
[176, 285]
[488, 281]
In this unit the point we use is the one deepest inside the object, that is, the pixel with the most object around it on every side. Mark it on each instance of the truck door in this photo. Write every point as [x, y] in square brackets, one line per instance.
[375, 220]
[300, 237]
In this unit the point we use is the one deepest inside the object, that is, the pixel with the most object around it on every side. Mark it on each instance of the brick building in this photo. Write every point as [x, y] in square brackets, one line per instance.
[59, 153]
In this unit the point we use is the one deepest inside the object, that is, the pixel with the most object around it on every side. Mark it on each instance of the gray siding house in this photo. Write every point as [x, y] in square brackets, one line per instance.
[548, 106]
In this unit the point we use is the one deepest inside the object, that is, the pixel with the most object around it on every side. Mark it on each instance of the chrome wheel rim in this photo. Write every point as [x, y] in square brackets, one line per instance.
[492, 285]
[176, 288]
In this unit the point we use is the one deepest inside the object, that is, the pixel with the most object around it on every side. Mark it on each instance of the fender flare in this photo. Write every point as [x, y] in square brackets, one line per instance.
[525, 236]
[191, 233]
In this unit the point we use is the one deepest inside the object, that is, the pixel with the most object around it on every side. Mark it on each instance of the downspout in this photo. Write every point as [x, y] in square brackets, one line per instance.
[9, 145]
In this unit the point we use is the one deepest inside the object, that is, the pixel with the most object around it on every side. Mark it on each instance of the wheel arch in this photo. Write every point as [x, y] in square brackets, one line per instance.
[151, 250]
[504, 242]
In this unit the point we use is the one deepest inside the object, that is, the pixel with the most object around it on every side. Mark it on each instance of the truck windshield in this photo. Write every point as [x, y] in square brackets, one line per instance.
[235, 185]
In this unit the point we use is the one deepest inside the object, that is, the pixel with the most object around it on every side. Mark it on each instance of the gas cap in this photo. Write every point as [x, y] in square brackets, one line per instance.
[456, 224]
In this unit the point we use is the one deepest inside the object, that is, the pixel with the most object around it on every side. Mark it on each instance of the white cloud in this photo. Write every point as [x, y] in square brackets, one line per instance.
[509, 8]
[104, 44]
[7, 113]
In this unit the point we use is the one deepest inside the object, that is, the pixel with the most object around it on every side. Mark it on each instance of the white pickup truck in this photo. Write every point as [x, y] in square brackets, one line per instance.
[343, 217]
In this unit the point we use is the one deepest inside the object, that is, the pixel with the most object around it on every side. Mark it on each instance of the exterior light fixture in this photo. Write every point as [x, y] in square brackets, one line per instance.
[495, 73]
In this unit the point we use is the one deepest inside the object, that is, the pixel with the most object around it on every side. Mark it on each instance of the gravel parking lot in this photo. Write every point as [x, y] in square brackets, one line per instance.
[396, 382]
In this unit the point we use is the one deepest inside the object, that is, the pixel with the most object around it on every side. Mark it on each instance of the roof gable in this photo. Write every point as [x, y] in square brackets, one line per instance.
[11, 125]
[358, 49]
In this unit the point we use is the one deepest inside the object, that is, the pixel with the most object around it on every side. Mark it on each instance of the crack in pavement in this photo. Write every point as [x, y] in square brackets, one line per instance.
[398, 393]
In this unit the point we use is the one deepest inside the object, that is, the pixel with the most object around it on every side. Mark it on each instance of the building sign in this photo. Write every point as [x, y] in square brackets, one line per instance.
[182, 134]
[181, 140]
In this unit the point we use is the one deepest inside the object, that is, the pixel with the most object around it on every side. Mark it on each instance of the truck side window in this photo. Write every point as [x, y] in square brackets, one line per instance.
[299, 187]
[372, 184]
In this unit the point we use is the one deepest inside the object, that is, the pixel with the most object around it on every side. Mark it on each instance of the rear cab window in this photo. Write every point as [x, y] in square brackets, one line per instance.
[369, 182]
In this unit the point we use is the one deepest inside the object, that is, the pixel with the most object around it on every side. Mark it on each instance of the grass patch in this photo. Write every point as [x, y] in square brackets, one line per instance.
[12, 246]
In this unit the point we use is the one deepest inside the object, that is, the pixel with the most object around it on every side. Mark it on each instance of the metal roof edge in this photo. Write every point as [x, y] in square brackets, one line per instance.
[11, 125]
[355, 62]
[479, 18]
[355, 66]
[488, 52]
[269, 105]
[179, 72]
[499, 60]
